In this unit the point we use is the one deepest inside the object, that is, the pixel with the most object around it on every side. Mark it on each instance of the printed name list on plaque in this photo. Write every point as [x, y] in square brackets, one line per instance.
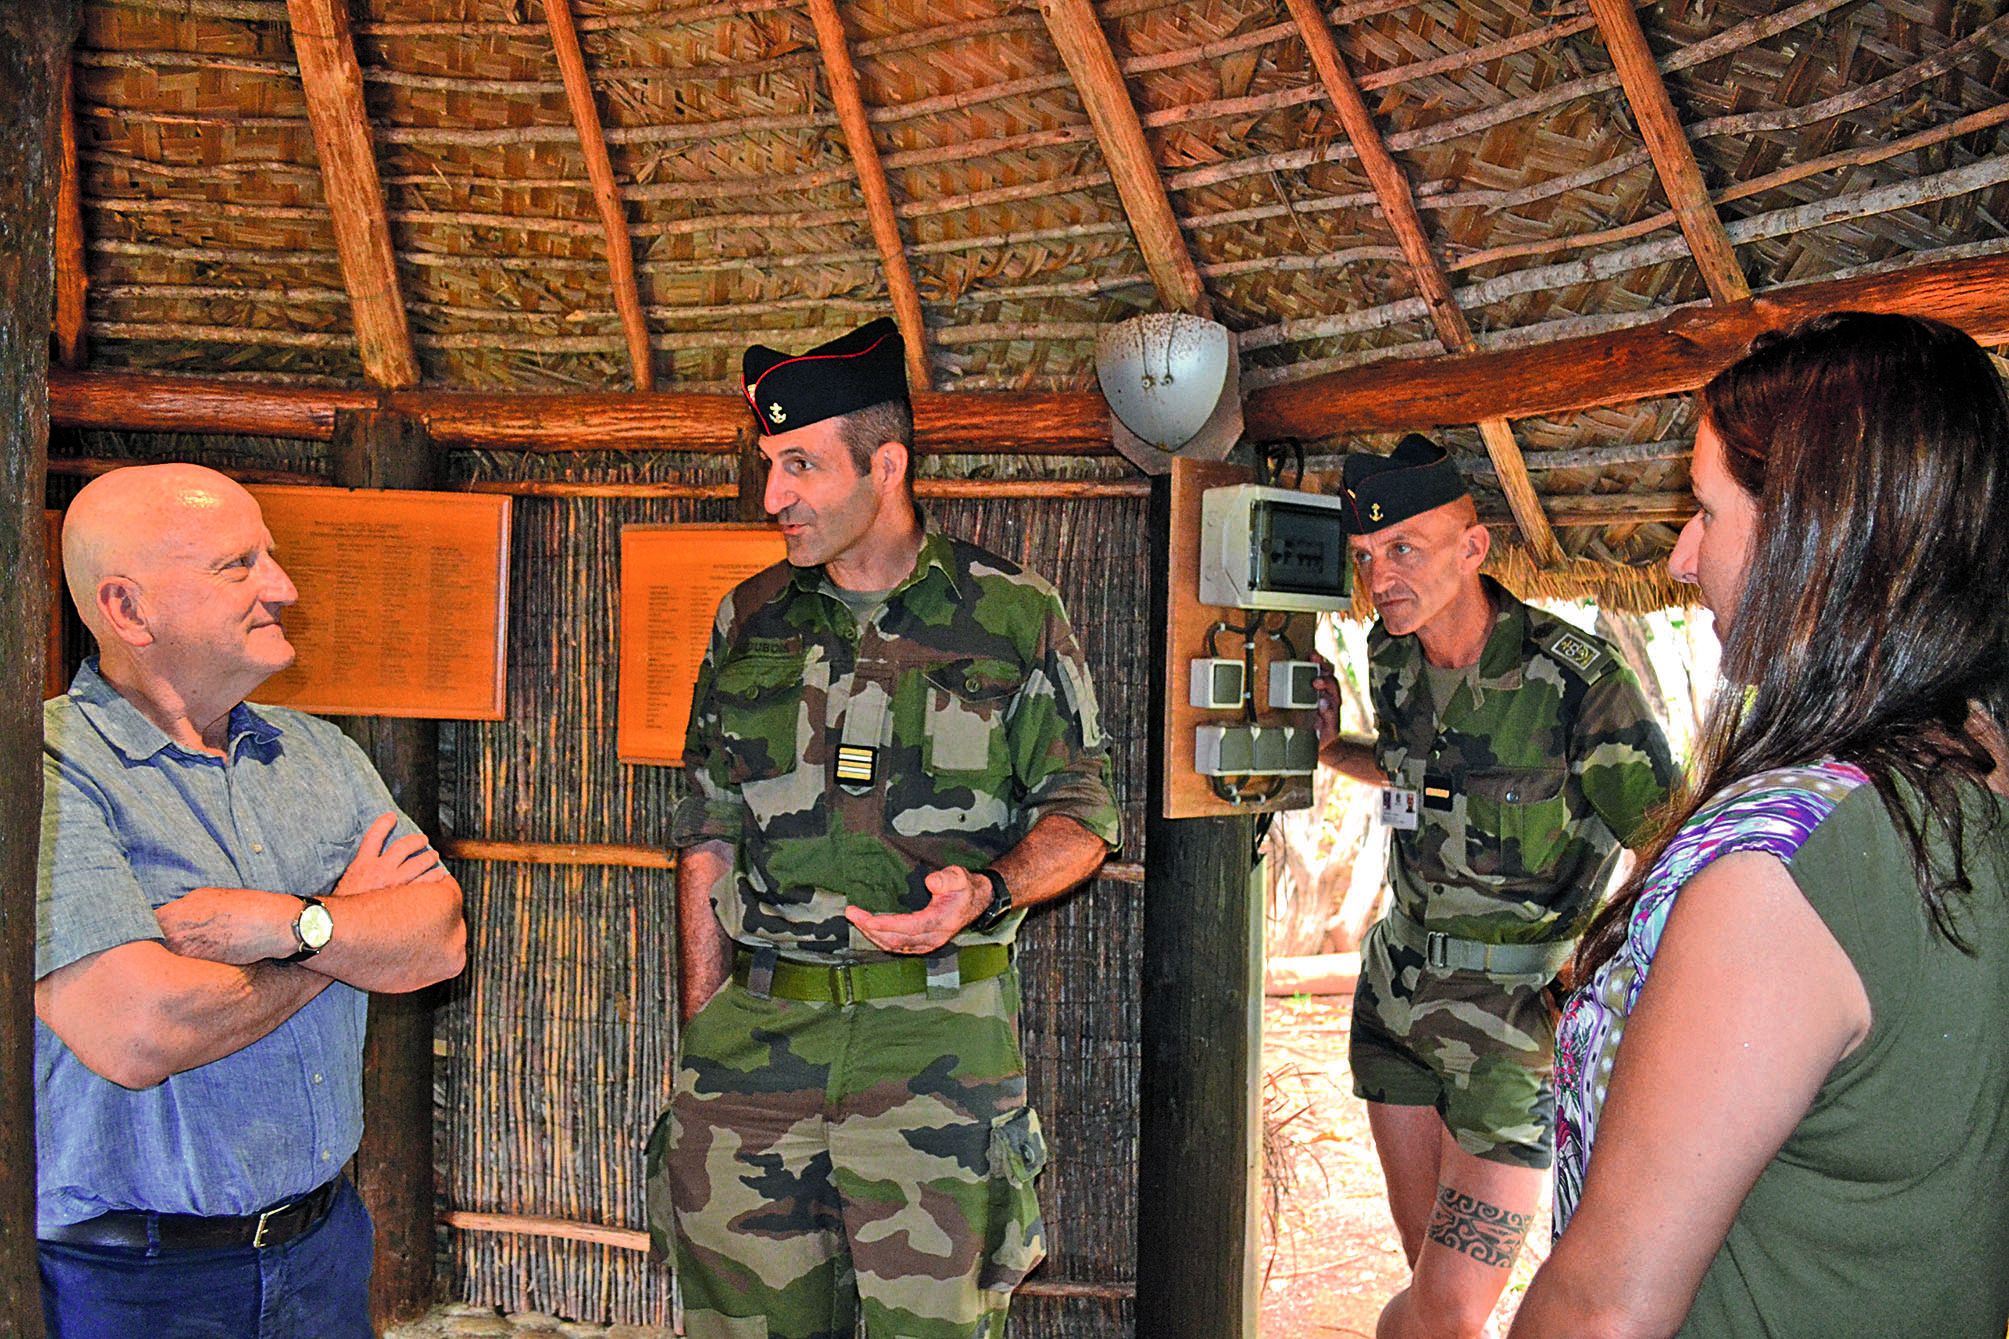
[672, 579]
[403, 601]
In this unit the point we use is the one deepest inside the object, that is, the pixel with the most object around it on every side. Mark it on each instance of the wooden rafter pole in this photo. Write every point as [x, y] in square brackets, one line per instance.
[333, 83]
[71, 276]
[1084, 48]
[1398, 206]
[851, 116]
[1673, 156]
[606, 191]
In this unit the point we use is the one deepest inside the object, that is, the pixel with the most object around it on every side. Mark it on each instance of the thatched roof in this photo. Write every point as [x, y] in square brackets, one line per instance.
[1349, 191]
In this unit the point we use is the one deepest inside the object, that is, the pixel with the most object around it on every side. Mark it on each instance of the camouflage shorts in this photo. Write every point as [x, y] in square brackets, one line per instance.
[1478, 1048]
[820, 1164]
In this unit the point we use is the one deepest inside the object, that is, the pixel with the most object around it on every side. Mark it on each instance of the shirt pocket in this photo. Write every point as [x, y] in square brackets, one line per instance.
[759, 704]
[967, 702]
[1516, 819]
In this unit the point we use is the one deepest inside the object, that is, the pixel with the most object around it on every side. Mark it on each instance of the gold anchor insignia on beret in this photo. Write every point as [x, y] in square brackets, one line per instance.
[1374, 512]
[777, 413]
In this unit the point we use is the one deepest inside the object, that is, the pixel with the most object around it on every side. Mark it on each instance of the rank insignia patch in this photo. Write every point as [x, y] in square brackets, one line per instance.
[856, 764]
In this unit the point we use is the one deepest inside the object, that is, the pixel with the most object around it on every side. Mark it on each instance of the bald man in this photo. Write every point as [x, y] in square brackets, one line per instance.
[220, 885]
[1515, 755]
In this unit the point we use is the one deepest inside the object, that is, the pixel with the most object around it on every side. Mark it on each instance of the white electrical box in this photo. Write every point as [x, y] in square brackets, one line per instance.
[1255, 750]
[1273, 548]
[1217, 684]
[1291, 685]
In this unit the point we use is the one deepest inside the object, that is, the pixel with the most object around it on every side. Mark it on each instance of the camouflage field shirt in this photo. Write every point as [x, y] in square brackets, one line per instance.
[846, 763]
[1542, 764]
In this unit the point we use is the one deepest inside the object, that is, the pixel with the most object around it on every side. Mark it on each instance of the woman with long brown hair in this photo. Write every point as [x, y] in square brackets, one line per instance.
[1783, 1088]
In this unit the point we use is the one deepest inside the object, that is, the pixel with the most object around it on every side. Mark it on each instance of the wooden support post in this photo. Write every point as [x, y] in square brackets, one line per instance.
[374, 449]
[1084, 49]
[34, 47]
[1198, 1134]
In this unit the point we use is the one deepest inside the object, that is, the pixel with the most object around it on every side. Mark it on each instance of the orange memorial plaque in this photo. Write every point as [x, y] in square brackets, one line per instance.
[403, 600]
[672, 579]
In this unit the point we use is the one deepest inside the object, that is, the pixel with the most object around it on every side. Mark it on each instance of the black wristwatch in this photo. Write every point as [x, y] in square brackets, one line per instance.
[993, 915]
[312, 929]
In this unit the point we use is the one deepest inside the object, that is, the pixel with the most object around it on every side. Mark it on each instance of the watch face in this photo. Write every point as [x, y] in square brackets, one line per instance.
[316, 926]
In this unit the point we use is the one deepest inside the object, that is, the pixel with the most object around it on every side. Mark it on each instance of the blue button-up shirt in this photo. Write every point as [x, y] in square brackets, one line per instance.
[131, 821]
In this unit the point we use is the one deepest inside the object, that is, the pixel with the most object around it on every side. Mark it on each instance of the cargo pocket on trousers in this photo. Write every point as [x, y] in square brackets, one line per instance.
[1016, 1240]
[712, 1325]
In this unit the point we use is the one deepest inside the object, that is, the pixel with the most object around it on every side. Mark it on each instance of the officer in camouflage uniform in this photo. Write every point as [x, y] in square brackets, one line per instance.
[1515, 755]
[893, 750]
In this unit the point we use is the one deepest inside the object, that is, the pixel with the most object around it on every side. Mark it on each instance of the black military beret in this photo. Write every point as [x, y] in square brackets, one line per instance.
[852, 372]
[1381, 490]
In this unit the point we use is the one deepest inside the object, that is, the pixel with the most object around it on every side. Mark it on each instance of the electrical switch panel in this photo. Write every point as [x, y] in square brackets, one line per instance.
[1217, 685]
[1291, 685]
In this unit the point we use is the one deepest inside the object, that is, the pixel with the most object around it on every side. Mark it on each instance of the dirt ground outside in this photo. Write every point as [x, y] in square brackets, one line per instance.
[1330, 1254]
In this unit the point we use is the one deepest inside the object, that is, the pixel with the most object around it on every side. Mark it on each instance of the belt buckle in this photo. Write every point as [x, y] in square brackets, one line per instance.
[842, 989]
[264, 1219]
[1436, 948]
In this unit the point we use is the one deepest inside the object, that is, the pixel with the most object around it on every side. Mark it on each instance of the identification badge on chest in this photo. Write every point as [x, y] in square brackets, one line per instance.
[1398, 808]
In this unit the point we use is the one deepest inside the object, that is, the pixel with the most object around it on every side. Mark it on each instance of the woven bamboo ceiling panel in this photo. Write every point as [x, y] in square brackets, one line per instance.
[1010, 176]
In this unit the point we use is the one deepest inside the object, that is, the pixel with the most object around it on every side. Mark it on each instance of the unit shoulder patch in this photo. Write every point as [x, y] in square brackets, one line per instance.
[1575, 650]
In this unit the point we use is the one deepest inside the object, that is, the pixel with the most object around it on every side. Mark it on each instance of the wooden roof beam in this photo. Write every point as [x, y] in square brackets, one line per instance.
[851, 117]
[1666, 357]
[1398, 206]
[1084, 48]
[1673, 156]
[71, 276]
[333, 82]
[606, 191]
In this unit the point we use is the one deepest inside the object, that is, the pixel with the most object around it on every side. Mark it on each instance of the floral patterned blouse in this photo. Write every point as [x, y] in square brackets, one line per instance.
[1773, 812]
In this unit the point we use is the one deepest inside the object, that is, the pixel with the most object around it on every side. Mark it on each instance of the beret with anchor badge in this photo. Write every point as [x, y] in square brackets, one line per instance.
[855, 371]
[1413, 478]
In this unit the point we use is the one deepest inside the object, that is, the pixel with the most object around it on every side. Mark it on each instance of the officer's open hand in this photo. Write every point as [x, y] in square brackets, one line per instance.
[955, 898]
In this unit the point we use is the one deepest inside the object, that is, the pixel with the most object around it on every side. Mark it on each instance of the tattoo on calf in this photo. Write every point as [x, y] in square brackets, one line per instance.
[1486, 1232]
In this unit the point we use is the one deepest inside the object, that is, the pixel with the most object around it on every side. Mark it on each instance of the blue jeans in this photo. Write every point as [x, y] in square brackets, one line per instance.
[316, 1286]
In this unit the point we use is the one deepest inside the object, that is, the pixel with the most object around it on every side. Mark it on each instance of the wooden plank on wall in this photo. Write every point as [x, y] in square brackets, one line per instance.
[35, 45]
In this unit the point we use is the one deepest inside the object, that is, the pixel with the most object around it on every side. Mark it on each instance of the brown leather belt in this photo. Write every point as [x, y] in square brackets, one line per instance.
[195, 1232]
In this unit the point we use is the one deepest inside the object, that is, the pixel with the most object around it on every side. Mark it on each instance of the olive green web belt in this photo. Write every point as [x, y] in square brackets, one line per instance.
[829, 983]
[1471, 955]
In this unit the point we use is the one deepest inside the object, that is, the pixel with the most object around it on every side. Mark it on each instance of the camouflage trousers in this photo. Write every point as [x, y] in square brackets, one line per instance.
[1479, 1047]
[822, 1164]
